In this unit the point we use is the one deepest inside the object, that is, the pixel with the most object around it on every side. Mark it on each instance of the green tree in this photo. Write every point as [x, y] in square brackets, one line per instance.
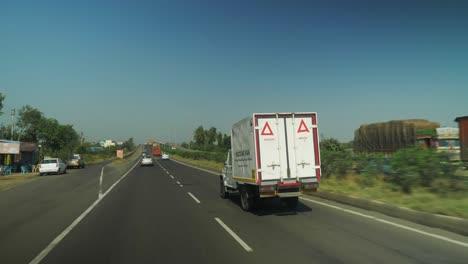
[29, 123]
[211, 136]
[129, 144]
[56, 139]
[226, 142]
[199, 137]
[2, 98]
[331, 144]
[219, 139]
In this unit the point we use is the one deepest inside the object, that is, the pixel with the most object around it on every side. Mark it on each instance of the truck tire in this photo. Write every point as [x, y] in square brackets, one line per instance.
[222, 189]
[291, 202]
[247, 201]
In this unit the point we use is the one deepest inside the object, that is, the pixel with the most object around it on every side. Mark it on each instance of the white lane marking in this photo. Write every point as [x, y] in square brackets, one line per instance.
[178, 182]
[195, 198]
[392, 223]
[172, 176]
[67, 230]
[181, 185]
[100, 183]
[234, 235]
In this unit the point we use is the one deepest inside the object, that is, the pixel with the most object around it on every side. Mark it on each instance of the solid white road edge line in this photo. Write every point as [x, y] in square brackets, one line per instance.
[391, 223]
[194, 198]
[67, 230]
[234, 235]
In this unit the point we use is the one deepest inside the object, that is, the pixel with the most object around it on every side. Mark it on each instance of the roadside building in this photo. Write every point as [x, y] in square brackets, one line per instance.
[8, 150]
[463, 135]
[15, 154]
[107, 143]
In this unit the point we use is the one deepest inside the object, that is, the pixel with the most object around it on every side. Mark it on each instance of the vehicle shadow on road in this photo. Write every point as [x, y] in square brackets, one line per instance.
[274, 206]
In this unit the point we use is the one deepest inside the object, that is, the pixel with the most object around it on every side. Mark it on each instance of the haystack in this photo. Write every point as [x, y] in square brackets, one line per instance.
[389, 136]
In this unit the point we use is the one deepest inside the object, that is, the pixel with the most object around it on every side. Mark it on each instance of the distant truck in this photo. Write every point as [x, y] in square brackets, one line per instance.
[148, 149]
[272, 155]
[156, 150]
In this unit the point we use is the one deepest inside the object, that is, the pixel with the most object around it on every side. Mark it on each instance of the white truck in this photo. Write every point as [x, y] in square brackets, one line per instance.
[272, 155]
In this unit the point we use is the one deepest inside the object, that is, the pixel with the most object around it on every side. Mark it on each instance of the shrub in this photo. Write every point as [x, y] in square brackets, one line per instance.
[335, 163]
[415, 166]
[405, 163]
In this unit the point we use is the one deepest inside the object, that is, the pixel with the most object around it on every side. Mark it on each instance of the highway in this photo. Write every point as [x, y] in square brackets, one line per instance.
[172, 213]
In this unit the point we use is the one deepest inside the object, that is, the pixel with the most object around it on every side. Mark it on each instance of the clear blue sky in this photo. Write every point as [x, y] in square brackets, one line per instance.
[159, 69]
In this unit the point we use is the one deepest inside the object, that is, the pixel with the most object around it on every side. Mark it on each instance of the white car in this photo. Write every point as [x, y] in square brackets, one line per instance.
[52, 165]
[165, 156]
[147, 160]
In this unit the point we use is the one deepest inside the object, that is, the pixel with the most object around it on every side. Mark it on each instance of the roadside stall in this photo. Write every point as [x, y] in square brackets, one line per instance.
[8, 154]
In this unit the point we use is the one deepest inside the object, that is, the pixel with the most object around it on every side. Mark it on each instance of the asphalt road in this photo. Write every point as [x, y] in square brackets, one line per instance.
[171, 213]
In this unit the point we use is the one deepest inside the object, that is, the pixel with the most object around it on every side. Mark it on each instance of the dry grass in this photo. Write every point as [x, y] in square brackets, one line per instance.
[9, 181]
[213, 166]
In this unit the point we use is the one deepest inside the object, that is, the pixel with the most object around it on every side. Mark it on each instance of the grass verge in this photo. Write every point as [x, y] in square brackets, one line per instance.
[204, 164]
[421, 199]
[10, 181]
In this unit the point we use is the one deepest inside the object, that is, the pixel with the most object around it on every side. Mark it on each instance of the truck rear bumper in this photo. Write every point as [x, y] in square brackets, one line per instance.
[288, 194]
[291, 189]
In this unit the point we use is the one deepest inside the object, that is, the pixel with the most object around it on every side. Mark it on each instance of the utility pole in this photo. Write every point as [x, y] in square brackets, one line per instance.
[12, 113]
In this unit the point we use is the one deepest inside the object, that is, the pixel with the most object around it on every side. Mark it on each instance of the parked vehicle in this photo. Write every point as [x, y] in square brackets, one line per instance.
[147, 160]
[52, 165]
[272, 155]
[165, 156]
[76, 162]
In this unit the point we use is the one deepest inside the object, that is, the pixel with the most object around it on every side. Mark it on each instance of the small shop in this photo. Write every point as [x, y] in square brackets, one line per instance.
[17, 156]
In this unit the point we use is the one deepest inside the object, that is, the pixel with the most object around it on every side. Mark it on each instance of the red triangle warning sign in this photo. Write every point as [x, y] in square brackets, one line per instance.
[303, 127]
[266, 131]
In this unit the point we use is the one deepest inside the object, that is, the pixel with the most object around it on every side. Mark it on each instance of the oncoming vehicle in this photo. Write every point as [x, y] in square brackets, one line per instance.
[165, 156]
[147, 160]
[52, 165]
[75, 162]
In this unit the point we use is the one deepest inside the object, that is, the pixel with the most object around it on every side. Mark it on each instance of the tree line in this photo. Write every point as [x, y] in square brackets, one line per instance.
[55, 139]
[209, 140]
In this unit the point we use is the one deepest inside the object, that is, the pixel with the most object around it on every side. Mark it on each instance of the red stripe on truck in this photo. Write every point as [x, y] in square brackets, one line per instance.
[317, 152]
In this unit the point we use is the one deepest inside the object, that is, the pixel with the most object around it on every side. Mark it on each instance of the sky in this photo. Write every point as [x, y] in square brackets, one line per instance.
[160, 69]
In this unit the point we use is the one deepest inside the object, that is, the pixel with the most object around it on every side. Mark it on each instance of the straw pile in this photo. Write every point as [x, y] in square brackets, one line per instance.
[389, 136]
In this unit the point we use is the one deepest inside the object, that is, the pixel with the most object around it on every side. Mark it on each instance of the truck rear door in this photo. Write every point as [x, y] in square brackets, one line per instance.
[287, 146]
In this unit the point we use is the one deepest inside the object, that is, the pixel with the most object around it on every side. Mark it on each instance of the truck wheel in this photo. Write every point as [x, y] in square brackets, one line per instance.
[247, 200]
[222, 189]
[291, 202]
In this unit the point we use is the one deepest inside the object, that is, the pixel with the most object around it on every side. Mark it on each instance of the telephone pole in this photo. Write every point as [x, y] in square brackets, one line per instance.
[12, 113]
